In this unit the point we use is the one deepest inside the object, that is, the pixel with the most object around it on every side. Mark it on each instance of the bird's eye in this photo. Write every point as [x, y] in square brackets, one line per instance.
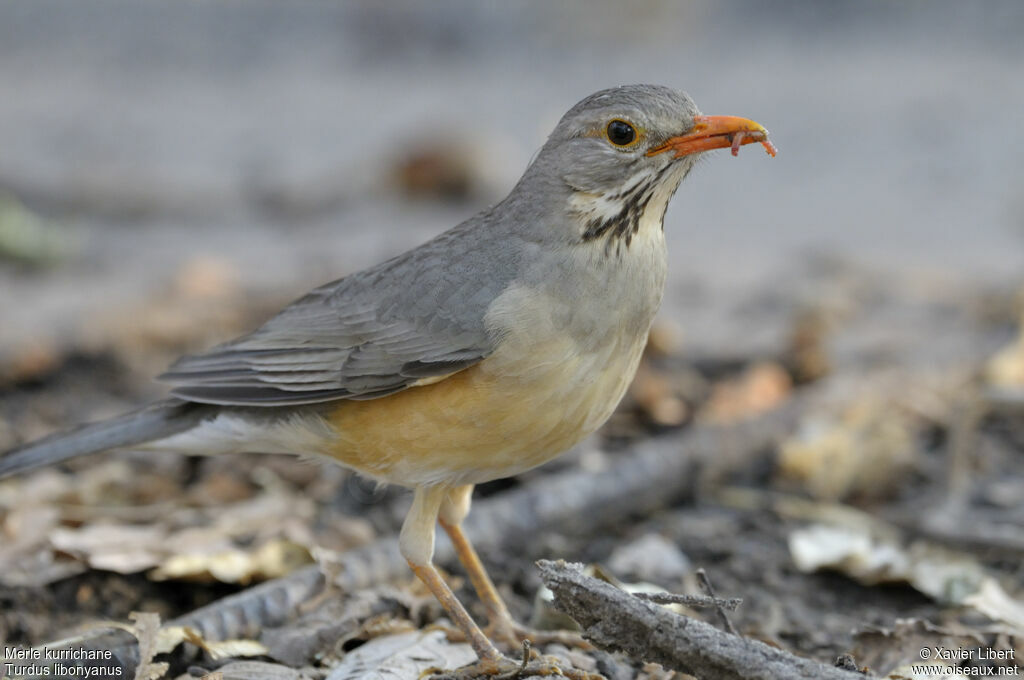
[621, 133]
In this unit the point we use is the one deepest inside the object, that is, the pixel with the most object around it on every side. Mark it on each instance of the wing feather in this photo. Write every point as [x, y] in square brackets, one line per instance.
[414, 319]
[335, 344]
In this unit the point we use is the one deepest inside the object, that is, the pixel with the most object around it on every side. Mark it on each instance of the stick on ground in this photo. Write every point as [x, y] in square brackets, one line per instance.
[615, 620]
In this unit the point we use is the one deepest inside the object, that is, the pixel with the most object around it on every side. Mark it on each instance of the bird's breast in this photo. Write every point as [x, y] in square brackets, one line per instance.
[547, 385]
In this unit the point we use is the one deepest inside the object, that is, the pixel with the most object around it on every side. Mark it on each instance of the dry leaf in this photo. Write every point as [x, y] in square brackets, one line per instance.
[655, 395]
[1006, 368]
[664, 340]
[885, 649]
[946, 576]
[258, 670]
[995, 603]
[274, 526]
[807, 352]
[206, 276]
[169, 637]
[406, 655]
[147, 630]
[760, 388]
[865, 451]
[121, 548]
[270, 560]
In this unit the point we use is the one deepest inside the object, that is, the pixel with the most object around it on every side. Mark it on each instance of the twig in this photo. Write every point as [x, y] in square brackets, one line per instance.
[617, 621]
[696, 601]
[709, 590]
[526, 659]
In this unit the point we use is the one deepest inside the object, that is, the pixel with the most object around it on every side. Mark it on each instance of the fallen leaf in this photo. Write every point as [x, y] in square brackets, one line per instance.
[121, 548]
[655, 395]
[1006, 368]
[258, 670]
[995, 603]
[864, 451]
[870, 558]
[146, 630]
[760, 388]
[406, 655]
[270, 560]
[886, 649]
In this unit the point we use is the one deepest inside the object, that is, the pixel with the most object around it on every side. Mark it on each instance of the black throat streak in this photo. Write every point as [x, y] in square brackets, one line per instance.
[620, 228]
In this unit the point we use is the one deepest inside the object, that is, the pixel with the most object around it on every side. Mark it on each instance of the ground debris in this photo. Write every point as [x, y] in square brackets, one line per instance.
[941, 574]
[891, 652]
[405, 656]
[327, 630]
[759, 389]
[272, 527]
[865, 450]
[146, 630]
[872, 552]
[258, 670]
[1006, 368]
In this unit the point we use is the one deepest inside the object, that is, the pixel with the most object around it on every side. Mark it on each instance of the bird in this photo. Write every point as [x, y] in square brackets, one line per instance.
[480, 354]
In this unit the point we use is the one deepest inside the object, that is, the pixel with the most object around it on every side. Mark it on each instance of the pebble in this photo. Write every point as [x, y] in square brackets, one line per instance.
[651, 557]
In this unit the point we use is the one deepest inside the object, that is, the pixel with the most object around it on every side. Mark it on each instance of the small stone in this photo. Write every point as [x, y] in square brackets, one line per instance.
[651, 557]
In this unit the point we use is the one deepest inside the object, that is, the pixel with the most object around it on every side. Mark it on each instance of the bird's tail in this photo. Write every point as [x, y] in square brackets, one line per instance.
[160, 420]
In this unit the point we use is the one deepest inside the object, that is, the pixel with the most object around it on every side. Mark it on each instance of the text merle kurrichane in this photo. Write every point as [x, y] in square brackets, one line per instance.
[37, 662]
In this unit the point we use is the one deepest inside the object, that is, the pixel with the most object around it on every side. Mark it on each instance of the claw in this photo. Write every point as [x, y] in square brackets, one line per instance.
[512, 634]
[507, 669]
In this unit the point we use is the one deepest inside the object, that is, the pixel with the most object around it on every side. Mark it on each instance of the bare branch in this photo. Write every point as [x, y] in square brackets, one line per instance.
[617, 621]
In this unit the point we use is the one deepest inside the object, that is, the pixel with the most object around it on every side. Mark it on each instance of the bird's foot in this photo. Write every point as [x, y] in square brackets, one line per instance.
[510, 635]
[504, 668]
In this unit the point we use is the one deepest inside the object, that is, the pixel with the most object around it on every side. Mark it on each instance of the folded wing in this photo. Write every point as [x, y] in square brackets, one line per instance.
[342, 341]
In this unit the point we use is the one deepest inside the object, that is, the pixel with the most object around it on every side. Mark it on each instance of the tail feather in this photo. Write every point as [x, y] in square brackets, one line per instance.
[160, 420]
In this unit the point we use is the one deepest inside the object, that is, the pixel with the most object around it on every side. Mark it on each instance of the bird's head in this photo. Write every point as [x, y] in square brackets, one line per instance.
[618, 156]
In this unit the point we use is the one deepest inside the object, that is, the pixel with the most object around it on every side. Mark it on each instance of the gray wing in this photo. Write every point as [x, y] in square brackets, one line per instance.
[371, 334]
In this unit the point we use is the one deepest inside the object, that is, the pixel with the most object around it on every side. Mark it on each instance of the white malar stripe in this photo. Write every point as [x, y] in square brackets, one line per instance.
[590, 206]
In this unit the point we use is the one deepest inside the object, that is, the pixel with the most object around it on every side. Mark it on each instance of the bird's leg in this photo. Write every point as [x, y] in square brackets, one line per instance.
[416, 543]
[501, 626]
[453, 510]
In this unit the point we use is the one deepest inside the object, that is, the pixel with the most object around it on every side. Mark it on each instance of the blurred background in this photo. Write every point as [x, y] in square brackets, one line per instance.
[268, 147]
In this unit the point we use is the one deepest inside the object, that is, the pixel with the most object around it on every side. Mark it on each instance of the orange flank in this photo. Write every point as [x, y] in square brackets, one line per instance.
[485, 422]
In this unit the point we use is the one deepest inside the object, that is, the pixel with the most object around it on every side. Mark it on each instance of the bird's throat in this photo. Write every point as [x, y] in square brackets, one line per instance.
[617, 217]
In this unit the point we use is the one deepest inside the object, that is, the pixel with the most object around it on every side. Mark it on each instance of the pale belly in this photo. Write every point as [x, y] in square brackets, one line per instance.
[501, 417]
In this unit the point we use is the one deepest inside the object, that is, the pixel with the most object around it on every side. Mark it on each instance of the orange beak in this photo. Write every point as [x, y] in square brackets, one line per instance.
[717, 132]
